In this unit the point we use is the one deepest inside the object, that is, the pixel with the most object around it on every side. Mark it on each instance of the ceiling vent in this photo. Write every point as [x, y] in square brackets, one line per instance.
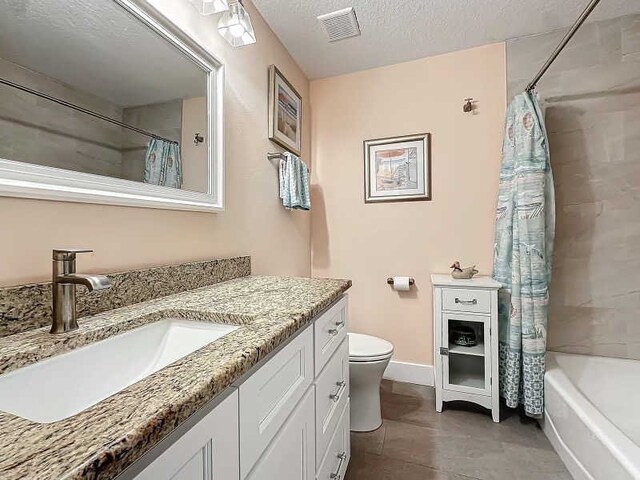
[340, 24]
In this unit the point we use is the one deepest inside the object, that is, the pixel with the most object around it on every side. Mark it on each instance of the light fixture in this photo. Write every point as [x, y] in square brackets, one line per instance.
[209, 7]
[235, 26]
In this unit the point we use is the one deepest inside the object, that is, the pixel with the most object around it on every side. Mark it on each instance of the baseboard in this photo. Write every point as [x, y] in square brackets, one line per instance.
[410, 373]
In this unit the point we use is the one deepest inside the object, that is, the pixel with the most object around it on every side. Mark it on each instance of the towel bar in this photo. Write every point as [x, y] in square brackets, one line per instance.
[275, 155]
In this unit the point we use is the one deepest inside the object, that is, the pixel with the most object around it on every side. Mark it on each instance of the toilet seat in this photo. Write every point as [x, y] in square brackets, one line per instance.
[367, 348]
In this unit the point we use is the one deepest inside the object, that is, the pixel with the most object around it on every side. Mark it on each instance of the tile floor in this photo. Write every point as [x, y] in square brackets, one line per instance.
[461, 443]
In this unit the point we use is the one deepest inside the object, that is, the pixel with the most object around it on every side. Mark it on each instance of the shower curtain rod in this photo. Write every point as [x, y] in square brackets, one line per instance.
[64, 103]
[563, 43]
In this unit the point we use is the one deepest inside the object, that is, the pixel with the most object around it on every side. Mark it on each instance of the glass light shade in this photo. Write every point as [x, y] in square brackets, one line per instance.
[235, 26]
[209, 7]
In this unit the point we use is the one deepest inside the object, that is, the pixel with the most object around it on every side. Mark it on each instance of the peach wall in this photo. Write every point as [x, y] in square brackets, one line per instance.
[254, 222]
[369, 242]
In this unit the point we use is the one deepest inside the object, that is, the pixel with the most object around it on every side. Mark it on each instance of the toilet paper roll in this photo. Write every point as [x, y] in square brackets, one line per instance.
[401, 284]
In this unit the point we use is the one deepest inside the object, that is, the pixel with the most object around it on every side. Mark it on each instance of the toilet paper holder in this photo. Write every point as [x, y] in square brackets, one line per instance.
[390, 281]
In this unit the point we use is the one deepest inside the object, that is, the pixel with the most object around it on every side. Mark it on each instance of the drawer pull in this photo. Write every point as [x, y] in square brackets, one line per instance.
[339, 325]
[336, 476]
[341, 386]
[467, 302]
[334, 331]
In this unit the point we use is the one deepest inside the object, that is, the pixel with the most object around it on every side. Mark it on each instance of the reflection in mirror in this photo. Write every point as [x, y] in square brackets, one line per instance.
[88, 87]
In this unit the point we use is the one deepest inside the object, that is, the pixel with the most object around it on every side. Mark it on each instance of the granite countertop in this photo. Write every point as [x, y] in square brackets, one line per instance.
[101, 441]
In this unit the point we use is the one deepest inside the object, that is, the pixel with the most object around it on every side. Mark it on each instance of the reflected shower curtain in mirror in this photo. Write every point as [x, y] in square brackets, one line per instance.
[525, 227]
[162, 164]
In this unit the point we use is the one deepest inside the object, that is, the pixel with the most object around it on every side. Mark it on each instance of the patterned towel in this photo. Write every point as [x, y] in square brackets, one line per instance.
[294, 183]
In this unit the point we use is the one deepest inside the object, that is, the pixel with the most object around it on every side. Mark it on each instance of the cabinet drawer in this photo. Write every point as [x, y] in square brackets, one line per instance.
[330, 331]
[270, 395]
[466, 300]
[332, 393]
[335, 462]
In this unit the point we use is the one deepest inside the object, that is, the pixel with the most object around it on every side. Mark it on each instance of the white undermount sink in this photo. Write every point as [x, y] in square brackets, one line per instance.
[62, 386]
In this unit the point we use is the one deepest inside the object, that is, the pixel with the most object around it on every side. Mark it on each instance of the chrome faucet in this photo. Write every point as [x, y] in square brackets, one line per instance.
[64, 284]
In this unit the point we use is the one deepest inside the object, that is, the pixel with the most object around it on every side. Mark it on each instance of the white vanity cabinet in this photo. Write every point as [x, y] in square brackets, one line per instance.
[466, 372]
[287, 419]
[208, 451]
[309, 377]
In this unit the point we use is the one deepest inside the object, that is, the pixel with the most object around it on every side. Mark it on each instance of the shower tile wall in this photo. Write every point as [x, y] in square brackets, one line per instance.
[593, 122]
[164, 119]
[40, 132]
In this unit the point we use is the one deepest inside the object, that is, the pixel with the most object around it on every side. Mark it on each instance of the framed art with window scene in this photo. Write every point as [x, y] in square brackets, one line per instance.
[398, 169]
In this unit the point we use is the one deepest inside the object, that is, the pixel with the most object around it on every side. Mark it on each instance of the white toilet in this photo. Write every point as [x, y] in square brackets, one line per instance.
[368, 358]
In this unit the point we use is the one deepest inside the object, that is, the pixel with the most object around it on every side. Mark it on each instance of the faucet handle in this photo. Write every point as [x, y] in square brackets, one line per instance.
[68, 253]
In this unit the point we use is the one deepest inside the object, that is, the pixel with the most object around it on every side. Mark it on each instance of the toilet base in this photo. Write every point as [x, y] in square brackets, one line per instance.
[364, 379]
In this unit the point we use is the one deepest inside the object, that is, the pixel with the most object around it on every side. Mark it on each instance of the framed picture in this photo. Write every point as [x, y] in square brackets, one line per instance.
[285, 112]
[397, 169]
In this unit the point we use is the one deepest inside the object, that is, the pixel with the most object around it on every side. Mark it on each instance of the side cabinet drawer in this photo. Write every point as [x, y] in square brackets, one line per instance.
[332, 393]
[271, 394]
[466, 300]
[335, 462]
[330, 331]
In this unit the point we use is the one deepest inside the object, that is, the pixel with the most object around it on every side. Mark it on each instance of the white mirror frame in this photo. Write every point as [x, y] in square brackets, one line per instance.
[19, 179]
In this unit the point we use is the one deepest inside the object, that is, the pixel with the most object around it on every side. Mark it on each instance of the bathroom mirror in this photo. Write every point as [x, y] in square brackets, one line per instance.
[106, 101]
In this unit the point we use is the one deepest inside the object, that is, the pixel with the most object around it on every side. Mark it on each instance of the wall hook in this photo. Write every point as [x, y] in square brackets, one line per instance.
[198, 139]
[468, 107]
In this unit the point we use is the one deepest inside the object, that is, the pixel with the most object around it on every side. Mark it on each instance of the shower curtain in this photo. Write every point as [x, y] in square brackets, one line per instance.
[525, 225]
[162, 164]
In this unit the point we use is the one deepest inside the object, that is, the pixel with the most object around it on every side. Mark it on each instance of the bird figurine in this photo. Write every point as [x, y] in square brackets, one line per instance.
[462, 273]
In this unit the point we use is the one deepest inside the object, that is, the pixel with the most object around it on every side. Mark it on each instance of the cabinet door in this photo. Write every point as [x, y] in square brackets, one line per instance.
[466, 368]
[268, 397]
[290, 456]
[209, 451]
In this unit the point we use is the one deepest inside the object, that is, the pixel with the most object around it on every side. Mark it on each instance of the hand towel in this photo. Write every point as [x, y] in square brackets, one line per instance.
[294, 183]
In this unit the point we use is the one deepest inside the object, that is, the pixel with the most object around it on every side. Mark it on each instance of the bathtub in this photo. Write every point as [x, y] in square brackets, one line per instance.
[592, 415]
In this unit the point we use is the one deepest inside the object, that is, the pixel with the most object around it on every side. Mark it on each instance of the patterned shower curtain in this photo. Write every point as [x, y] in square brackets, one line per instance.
[162, 164]
[525, 227]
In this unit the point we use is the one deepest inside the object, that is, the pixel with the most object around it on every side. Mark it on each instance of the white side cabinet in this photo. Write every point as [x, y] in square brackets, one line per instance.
[466, 310]
[209, 451]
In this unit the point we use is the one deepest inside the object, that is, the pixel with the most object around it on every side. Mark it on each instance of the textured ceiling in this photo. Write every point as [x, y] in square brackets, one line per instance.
[400, 30]
[97, 47]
